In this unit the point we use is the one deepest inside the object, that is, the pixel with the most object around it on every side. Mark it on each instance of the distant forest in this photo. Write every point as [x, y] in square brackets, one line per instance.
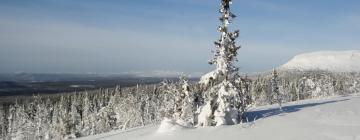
[26, 84]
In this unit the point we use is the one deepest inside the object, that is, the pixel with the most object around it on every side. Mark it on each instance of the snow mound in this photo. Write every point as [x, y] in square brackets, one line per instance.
[169, 125]
[335, 61]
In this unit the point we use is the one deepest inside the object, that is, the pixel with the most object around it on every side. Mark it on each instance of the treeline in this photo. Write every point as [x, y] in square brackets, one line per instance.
[73, 115]
[298, 85]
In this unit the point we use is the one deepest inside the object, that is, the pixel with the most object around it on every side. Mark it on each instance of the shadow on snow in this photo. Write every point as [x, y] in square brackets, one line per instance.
[251, 116]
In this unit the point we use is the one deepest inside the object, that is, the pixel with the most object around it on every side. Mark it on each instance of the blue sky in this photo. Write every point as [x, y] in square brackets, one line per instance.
[115, 36]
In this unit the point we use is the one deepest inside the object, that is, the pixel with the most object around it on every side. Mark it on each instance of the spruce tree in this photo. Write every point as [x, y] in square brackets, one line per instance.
[184, 104]
[275, 88]
[223, 99]
[2, 121]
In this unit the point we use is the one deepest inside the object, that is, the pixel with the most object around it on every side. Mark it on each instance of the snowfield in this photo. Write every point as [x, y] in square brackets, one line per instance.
[335, 61]
[333, 118]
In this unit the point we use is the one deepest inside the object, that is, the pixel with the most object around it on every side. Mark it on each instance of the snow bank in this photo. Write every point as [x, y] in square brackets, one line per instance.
[336, 61]
[169, 125]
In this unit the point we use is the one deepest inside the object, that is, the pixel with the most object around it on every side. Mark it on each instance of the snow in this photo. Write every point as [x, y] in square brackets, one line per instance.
[226, 113]
[168, 125]
[206, 79]
[216, 75]
[335, 61]
[334, 118]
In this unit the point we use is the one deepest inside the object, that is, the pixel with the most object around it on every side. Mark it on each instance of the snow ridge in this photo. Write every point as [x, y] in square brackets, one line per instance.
[334, 61]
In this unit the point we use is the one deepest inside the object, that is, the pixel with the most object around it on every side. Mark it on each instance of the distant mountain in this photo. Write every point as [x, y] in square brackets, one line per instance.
[334, 61]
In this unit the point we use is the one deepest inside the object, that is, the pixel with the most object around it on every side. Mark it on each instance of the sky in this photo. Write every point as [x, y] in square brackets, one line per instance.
[117, 36]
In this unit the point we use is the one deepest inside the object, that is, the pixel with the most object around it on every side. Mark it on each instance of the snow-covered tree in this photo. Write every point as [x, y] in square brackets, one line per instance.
[275, 88]
[88, 118]
[184, 109]
[62, 122]
[41, 119]
[188, 107]
[74, 117]
[223, 99]
[2, 121]
[17, 120]
[168, 95]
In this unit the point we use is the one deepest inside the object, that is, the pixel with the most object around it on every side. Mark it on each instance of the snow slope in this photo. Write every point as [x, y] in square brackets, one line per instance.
[336, 118]
[336, 61]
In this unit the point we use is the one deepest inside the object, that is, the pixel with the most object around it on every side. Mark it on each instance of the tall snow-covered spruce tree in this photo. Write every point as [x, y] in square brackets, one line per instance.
[224, 102]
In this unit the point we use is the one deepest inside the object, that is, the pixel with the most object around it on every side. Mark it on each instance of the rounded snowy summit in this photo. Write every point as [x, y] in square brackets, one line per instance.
[335, 61]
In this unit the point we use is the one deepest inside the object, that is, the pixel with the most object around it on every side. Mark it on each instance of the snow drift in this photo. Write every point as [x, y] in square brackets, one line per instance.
[169, 125]
[334, 61]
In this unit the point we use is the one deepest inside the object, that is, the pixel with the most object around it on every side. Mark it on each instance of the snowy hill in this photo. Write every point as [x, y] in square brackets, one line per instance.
[328, 119]
[335, 61]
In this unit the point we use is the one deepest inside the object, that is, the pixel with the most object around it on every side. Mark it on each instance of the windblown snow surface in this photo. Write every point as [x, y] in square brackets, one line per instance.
[334, 118]
[335, 61]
